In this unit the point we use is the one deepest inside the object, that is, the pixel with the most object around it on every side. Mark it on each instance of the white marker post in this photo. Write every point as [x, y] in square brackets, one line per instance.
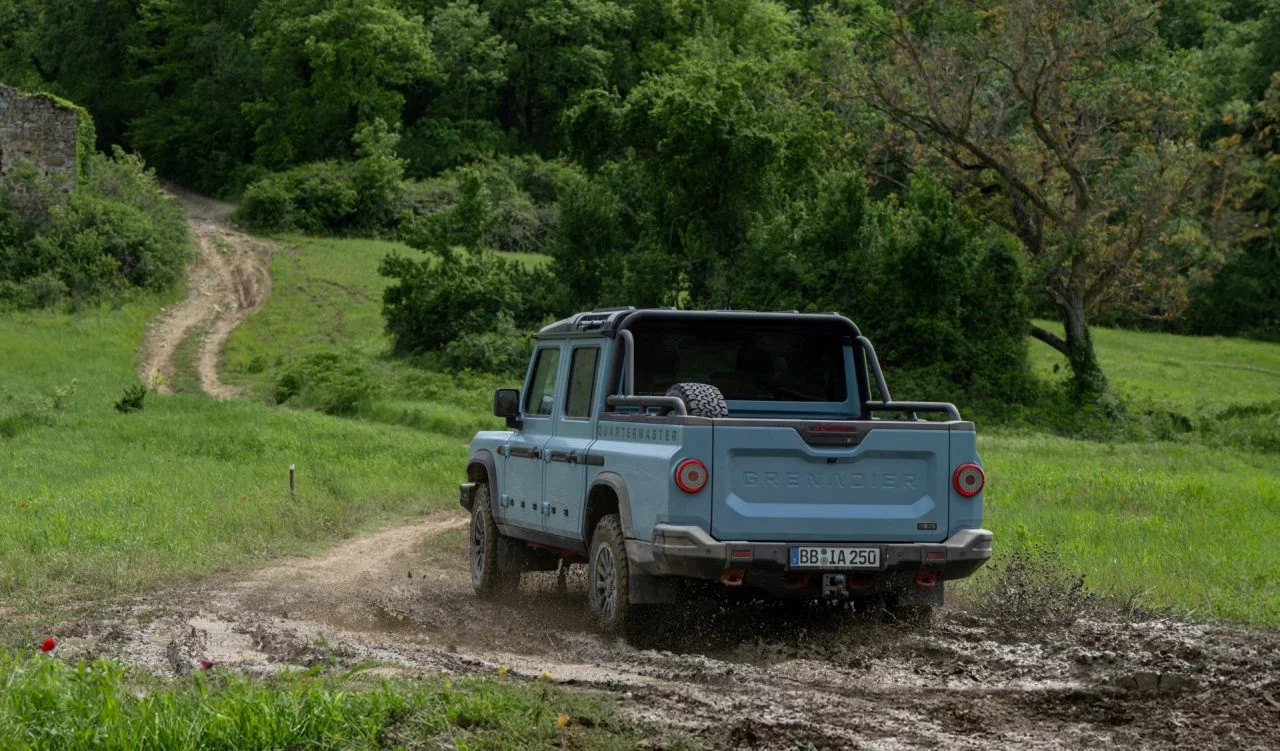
[291, 481]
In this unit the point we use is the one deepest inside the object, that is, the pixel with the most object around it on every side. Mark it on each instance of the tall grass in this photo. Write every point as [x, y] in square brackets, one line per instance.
[48, 704]
[95, 502]
[1181, 527]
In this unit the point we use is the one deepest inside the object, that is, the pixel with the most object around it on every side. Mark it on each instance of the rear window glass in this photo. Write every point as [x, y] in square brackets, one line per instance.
[785, 364]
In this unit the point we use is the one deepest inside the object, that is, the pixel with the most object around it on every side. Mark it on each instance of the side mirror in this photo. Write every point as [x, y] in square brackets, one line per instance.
[506, 404]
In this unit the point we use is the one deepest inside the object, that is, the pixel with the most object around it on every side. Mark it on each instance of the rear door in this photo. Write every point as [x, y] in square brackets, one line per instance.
[829, 482]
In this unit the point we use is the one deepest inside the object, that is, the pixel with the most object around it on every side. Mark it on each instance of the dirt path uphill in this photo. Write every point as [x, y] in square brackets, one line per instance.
[226, 282]
[1027, 667]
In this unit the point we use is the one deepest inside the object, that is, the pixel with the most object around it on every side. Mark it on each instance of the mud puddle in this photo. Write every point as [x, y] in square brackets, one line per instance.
[1017, 670]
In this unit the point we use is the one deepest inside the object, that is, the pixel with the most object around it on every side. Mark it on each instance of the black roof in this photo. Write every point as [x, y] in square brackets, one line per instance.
[608, 321]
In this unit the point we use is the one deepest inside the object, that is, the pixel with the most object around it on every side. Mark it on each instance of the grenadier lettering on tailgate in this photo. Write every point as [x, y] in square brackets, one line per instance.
[856, 480]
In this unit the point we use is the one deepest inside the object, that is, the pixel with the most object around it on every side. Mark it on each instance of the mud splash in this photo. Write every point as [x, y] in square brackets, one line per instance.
[741, 676]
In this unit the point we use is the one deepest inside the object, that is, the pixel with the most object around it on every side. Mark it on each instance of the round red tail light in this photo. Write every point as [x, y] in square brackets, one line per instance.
[968, 480]
[691, 475]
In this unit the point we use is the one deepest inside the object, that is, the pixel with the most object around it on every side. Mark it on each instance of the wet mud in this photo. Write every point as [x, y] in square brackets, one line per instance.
[1030, 664]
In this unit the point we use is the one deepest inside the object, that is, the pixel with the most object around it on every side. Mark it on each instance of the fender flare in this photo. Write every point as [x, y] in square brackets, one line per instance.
[481, 467]
[614, 482]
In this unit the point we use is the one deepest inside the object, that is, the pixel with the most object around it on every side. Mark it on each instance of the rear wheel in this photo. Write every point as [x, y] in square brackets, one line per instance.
[489, 551]
[608, 583]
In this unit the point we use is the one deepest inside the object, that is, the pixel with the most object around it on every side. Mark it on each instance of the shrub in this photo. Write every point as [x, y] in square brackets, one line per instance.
[504, 350]
[453, 294]
[120, 230]
[362, 196]
[20, 413]
[132, 399]
[326, 381]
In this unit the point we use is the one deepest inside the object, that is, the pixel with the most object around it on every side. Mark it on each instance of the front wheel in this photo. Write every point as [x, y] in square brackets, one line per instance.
[485, 544]
[608, 585]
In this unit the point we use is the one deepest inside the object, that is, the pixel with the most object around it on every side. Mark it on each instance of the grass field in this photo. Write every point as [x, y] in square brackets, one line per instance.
[327, 297]
[1195, 374]
[48, 704]
[95, 502]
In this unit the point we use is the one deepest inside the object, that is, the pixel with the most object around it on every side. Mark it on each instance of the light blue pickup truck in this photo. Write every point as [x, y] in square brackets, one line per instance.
[738, 449]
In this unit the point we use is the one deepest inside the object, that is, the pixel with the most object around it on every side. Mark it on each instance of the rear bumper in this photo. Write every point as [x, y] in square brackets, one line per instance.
[691, 552]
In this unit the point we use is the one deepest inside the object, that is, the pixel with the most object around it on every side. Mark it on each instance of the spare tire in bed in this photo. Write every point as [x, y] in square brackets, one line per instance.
[700, 399]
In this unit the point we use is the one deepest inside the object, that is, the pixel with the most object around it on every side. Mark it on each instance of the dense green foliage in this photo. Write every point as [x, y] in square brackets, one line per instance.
[119, 231]
[754, 153]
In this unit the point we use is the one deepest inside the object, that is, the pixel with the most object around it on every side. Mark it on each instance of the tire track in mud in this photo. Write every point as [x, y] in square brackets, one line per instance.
[1029, 667]
[227, 281]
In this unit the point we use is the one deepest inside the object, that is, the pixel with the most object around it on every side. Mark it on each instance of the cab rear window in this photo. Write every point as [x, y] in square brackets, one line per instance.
[785, 364]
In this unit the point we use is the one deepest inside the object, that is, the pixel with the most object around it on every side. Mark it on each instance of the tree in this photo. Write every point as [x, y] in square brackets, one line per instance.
[1070, 125]
[196, 72]
[559, 49]
[328, 68]
[82, 48]
[472, 59]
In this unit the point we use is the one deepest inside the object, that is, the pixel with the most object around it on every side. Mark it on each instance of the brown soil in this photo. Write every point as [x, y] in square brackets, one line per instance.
[1025, 667]
[226, 282]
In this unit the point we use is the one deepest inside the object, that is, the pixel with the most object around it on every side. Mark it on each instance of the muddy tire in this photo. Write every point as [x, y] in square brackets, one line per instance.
[489, 552]
[608, 583]
[701, 399]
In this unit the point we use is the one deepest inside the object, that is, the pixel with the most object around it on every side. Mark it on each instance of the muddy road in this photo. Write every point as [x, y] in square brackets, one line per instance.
[227, 280]
[1032, 666]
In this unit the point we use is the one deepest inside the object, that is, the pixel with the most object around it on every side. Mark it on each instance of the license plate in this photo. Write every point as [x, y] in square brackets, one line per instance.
[818, 556]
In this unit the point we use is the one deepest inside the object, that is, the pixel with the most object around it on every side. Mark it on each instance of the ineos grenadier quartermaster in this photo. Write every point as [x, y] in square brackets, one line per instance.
[665, 447]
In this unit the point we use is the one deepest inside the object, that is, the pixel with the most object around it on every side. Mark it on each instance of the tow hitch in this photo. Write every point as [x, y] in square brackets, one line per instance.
[833, 587]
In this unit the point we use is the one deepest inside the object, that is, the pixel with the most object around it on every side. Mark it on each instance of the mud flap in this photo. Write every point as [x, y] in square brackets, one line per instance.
[651, 590]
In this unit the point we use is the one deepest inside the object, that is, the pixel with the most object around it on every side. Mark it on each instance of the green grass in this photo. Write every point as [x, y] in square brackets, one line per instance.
[48, 704]
[94, 502]
[1182, 527]
[327, 297]
[1193, 374]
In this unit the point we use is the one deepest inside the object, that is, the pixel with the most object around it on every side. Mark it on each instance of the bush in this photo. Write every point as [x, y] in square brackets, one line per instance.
[132, 399]
[119, 230]
[453, 294]
[502, 351]
[326, 381]
[23, 412]
[362, 196]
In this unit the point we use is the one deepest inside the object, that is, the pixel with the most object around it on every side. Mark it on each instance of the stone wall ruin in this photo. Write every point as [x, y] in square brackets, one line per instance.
[42, 131]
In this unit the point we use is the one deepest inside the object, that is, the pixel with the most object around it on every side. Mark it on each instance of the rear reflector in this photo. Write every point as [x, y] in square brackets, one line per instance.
[939, 556]
[968, 480]
[691, 475]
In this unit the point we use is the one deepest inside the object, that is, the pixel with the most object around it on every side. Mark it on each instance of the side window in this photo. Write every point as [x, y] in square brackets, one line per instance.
[542, 387]
[582, 381]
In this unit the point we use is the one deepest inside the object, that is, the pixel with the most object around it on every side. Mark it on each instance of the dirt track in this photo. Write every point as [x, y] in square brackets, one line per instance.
[1033, 667]
[226, 282]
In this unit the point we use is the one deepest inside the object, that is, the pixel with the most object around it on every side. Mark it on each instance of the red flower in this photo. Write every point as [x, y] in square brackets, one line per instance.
[206, 664]
[48, 645]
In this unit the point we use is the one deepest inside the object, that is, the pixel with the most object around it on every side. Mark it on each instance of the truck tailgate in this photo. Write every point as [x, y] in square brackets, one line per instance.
[892, 485]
